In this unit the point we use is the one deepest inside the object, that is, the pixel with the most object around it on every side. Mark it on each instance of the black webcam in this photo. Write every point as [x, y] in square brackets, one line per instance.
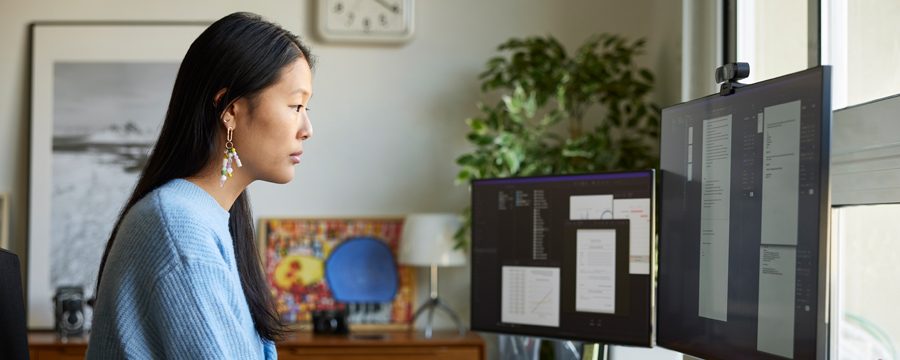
[729, 74]
[732, 72]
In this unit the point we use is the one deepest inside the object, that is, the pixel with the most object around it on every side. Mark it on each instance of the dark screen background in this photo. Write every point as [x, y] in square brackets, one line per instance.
[504, 238]
[679, 325]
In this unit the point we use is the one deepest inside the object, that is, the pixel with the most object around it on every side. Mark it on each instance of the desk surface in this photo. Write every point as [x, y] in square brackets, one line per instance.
[306, 346]
[49, 338]
[383, 339]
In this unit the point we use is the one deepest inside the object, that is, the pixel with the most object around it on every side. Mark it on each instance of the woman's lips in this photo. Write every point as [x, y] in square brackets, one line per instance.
[296, 156]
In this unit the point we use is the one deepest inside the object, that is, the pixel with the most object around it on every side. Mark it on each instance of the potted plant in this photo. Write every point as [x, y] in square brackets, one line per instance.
[544, 88]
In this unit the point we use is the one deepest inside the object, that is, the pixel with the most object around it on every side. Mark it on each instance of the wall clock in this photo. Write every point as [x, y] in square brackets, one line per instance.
[365, 21]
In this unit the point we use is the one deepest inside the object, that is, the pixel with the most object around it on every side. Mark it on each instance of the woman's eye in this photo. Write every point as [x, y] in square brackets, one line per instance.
[296, 107]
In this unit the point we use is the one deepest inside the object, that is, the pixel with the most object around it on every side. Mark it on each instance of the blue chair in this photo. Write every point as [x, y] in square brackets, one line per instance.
[362, 270]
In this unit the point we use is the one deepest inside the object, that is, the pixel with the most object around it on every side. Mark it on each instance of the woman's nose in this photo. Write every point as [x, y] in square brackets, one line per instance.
[306, 131]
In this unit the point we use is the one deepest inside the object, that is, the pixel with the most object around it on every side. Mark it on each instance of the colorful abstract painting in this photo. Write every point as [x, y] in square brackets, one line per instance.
[295, 252]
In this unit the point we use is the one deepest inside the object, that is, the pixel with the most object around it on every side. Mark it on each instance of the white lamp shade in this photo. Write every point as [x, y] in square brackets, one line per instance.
[427, 240]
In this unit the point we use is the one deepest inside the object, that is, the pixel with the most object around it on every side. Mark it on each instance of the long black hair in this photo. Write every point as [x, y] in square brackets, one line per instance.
[244, 54]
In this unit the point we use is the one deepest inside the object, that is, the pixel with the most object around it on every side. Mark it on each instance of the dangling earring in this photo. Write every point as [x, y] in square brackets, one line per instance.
[230, 156]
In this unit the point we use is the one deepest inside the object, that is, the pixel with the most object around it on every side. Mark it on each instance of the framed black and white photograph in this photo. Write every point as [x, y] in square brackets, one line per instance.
[99, 96]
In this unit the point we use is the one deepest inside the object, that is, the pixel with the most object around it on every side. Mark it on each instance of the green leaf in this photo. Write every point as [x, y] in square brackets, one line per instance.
[529, 169]
[480, 140]
[467, 159]
[496, 61]
[505, 139]
[550, 120]
[519, 94]
[511, 161]
[609, 41]
[530, 106]
[577, 153]
[513, 106]
[633, 121]
[463, 176]
[561, 97]
[478, 125]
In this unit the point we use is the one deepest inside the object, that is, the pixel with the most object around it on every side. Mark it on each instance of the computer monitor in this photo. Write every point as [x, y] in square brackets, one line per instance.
[13, 337]
[744, 221]
[564, 257]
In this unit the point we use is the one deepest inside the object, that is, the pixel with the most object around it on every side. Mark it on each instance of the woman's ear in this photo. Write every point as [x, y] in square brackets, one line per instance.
[218, 97]
[228, 115]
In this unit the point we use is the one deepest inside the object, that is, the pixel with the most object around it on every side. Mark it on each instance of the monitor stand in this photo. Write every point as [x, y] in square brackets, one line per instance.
[595, 351]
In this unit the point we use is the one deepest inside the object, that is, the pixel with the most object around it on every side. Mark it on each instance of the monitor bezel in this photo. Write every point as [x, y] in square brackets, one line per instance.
[824, 257]
[649, 343]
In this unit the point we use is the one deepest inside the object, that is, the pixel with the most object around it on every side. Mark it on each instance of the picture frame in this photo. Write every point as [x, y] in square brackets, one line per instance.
[98, 97]
[4, 221]
[315, 238]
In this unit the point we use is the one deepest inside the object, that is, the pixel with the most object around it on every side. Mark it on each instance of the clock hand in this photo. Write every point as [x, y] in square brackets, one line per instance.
[392, 8]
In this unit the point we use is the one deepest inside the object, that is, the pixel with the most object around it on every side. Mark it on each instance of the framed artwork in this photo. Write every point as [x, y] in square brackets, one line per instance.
[294, 254]
[99, 93]
[4, 221]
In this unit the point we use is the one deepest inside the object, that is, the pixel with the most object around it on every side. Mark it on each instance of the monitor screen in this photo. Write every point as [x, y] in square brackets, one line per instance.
[564, 257]
[744, 220]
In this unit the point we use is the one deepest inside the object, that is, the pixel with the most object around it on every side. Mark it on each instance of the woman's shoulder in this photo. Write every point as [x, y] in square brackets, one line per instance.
[166, 207]
[177, 217]
[180, 199]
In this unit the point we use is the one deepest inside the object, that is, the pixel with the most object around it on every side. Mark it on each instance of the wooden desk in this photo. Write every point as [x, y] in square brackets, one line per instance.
[306, 346]
[47, 346]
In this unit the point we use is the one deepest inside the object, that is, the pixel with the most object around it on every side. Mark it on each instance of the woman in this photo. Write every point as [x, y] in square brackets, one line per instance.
[181, 277]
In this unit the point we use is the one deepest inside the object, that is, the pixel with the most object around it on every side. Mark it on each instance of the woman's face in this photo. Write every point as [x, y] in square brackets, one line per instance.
[269, 130]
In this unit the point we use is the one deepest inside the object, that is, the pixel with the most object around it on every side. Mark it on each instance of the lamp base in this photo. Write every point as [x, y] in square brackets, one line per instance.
[431, 305]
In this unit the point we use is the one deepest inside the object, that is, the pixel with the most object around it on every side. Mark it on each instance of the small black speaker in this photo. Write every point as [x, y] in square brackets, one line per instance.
[330, 322]
[69, 306]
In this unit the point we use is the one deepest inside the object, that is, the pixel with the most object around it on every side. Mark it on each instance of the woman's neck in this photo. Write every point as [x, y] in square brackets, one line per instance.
[225, 194]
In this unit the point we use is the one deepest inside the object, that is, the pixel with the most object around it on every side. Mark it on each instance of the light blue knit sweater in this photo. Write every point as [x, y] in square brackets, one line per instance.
[171, 288]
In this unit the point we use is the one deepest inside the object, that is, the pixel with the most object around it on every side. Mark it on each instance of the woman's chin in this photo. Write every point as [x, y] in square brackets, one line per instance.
[284, 177]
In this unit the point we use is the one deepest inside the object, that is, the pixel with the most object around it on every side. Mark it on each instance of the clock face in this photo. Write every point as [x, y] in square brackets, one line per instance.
[361, 20]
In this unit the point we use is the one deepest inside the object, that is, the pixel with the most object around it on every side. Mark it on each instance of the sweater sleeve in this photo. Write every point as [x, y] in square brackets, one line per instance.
[271, 353]
[194, 317]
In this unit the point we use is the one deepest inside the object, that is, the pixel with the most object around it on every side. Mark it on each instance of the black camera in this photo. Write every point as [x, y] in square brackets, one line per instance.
[330, 322]
[732, 72]
[69, 306]
[729, 74]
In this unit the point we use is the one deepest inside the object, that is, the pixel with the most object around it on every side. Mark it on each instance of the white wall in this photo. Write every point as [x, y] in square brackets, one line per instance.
[388, 120]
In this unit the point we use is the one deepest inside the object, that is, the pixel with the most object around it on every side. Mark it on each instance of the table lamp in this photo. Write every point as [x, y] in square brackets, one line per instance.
[427, 240]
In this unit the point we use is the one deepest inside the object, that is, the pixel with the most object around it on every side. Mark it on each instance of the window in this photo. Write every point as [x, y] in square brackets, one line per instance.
[772, 37]
[869, 242]
[865, 182]
[868, 30]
